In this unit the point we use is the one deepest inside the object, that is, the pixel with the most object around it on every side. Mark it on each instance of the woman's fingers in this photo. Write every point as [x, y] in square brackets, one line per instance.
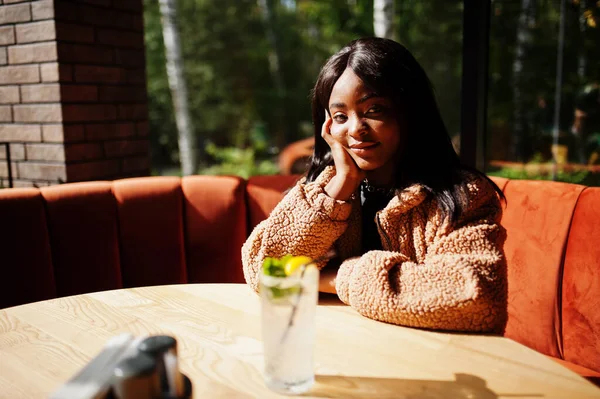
[337, 151]
[348, 175]
[325, 133]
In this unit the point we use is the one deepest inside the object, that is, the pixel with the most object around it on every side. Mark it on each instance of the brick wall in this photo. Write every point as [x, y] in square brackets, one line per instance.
[72, 90]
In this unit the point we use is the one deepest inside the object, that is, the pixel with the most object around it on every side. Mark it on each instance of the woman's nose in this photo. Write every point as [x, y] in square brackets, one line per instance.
[358, 128]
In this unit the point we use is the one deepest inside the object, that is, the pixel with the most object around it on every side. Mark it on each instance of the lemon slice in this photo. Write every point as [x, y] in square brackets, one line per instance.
[294, 263]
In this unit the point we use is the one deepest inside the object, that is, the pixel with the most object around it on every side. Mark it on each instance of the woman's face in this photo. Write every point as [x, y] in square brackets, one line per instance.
[364, 123]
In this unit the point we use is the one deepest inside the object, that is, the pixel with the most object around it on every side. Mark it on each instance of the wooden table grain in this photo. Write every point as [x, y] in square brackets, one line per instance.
[218, 330]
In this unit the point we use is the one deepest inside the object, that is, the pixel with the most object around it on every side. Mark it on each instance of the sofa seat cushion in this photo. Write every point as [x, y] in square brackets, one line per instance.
[589, 374]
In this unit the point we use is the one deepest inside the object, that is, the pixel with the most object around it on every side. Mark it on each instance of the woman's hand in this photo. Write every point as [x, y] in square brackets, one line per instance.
[348, 175]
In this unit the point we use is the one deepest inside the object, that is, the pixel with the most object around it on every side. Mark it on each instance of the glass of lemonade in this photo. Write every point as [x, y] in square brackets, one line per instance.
[289, 304]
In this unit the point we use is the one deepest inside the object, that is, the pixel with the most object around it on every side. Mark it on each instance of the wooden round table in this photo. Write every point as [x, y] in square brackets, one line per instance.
[217, 326]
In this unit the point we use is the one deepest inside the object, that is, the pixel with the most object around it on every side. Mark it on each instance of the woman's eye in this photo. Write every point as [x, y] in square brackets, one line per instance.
[375, 109]
[339, 118]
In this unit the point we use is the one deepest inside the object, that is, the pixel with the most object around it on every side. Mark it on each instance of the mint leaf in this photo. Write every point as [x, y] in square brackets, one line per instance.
[273, 267]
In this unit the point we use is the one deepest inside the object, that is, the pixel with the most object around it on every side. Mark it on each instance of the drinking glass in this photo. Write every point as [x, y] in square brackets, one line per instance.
[288, 329]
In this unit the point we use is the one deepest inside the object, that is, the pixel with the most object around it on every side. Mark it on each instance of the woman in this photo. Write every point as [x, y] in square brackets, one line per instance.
[417, 234]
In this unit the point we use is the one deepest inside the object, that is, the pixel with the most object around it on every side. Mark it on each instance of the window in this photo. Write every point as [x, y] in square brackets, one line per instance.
[543, 98]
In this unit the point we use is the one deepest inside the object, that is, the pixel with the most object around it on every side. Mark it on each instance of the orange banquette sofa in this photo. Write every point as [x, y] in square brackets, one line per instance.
[83, 237]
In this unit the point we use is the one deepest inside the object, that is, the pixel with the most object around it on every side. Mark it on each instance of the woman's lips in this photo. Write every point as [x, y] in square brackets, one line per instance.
[363, 148]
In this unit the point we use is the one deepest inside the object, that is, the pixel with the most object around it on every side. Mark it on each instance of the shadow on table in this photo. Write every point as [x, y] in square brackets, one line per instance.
[465, 386]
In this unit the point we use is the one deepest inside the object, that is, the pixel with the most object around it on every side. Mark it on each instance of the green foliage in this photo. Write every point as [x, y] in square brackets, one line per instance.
[434, 35]
[224, 58]
[578, 177]
[234, 98]
[537, 79]
[236, 161]
[254, 159]
[162, 128]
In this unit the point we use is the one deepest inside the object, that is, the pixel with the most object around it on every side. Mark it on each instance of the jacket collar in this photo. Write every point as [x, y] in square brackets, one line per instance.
[404, 200]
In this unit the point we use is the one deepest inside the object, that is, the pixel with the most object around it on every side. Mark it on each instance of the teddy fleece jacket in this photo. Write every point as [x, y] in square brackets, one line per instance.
[430, 274]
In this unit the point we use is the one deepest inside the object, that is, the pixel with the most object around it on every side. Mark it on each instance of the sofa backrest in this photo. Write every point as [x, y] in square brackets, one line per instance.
[553, 254]
[264, 193]
[580, 298]
[85, 237]
[537, 219]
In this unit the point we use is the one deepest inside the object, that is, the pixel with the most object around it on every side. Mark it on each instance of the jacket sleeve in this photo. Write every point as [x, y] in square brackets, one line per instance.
[460, 286]
[306, 222]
